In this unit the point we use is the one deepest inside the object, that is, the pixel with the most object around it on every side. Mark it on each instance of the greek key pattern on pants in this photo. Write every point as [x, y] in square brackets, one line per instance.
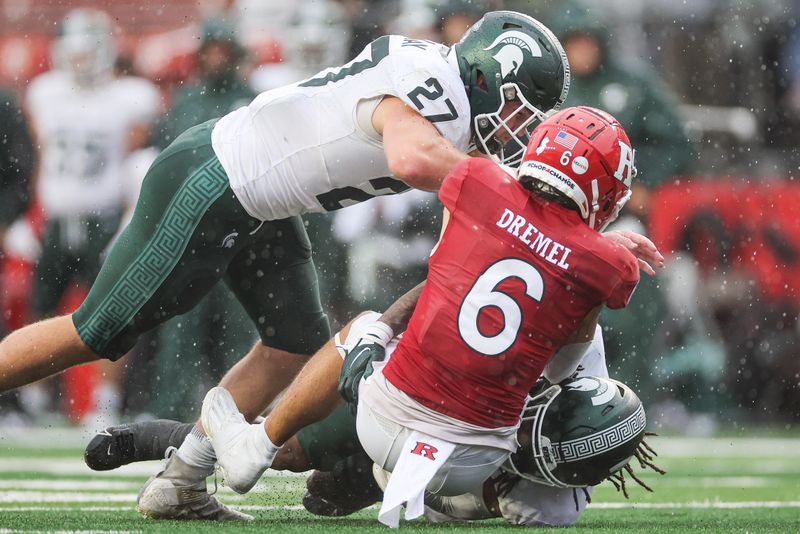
[158, 257]
[595, 444]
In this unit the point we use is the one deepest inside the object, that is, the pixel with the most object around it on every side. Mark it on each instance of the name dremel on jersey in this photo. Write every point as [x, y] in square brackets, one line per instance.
[544, 246]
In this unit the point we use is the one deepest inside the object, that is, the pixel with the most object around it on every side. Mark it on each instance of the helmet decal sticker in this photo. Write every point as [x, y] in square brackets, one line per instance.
[580, 165]
[542, 145]
[566, 139]
[583, 384]
[510, 56]
[603, 395]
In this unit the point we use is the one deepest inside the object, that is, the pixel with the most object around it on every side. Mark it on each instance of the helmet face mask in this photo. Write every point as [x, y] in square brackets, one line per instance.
[504, 58]
[578, 433]
[543, 457]
[505, 132]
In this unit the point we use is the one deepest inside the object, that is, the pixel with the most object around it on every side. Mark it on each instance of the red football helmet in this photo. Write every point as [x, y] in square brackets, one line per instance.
[585, 154]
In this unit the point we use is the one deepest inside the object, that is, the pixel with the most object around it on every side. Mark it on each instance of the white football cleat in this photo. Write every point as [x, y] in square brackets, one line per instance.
[239, 446]
[179, 492]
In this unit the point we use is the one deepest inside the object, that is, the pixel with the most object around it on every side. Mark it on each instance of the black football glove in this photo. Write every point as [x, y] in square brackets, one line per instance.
[370, 347]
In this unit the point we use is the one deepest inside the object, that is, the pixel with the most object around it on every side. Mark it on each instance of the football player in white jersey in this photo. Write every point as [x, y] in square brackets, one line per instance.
[86, 122]
[223, 202]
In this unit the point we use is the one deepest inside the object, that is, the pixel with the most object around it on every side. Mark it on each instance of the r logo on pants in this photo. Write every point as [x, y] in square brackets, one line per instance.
[423, 449]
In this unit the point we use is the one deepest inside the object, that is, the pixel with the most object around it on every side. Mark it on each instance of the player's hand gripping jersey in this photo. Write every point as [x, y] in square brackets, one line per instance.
[311, 146]
[512, 278]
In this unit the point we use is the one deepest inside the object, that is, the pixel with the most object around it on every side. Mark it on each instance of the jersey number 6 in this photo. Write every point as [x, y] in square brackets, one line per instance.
[484, 294]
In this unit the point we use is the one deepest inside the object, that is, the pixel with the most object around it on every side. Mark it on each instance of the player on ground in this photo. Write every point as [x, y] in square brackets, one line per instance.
[520, 272]
[223, 202]
[345, 482]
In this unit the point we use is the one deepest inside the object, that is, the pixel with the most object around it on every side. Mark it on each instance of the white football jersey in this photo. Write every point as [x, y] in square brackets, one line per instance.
[310, 146]
[83, 133]
[523, 502]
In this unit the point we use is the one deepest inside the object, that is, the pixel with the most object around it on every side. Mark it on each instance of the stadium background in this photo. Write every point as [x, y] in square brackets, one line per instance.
[709, 344]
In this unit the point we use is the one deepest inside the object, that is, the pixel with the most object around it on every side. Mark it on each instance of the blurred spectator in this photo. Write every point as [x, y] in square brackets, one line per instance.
[212, 336]
[455, 16]
[314, 35]
[634, 93]
[732, 287]
[16, 168]
[416, 19]
[368, 18]
[16, 164]
[390, 239]
[218, 90]
[788, 91]
[85, 122]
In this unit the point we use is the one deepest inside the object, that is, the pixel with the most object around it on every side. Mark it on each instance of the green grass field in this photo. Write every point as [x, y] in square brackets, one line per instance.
[735, 484]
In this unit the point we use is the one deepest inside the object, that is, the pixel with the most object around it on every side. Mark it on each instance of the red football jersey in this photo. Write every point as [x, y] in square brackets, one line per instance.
[511, 280]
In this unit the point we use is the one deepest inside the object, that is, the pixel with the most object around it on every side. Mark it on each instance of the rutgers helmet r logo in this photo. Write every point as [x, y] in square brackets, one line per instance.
[624, 171]
[423, 449]
[511, 55]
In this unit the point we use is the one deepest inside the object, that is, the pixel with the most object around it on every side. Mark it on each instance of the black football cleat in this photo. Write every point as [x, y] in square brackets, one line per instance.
[348, 488]
[135, 442]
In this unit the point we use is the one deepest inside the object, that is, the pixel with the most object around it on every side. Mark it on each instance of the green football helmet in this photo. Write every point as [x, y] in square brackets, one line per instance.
[85, 48]
[577, 433]
[507, 57]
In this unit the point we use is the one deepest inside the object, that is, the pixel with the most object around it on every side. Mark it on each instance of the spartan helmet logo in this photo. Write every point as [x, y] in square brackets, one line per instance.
[603, 395]
[511, 55]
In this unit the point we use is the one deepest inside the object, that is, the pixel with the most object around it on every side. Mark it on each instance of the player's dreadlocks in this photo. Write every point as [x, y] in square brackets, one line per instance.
[645, 454]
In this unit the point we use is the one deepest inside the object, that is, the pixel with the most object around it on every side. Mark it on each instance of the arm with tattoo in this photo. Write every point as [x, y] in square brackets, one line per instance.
[399, 313]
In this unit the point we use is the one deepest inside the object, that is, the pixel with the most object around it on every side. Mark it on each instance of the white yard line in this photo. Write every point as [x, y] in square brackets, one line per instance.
[713, 505]
[9, 531]
[76, 466]
[675, 447]
[62, 485]
[66, 497]
[714, 482]
[67, 466]
[51, 496]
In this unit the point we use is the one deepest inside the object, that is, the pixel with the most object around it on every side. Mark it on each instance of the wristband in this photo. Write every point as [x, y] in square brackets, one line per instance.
[378, 332]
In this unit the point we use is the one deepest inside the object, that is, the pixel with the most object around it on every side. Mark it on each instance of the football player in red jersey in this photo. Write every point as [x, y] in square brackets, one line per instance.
[520, 274]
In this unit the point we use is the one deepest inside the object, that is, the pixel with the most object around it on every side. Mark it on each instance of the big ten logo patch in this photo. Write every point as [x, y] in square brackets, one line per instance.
[424, 449]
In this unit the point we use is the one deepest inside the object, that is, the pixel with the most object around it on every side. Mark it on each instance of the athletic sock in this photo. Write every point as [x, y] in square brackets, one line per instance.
[197, 450]
[261, 443]
[153, 438]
